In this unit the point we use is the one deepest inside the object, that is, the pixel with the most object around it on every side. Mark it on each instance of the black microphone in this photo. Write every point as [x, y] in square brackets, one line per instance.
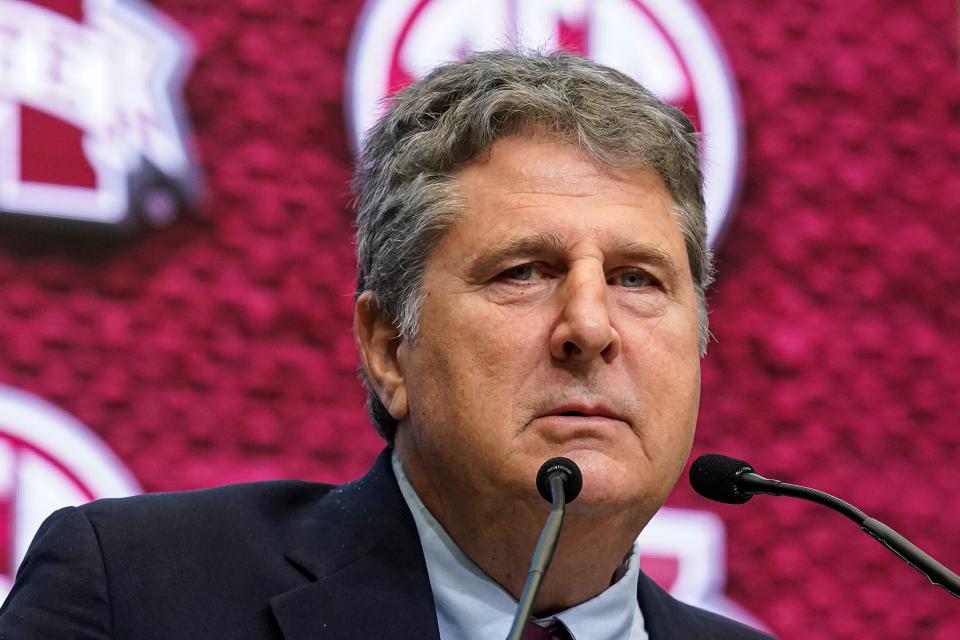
[559, 481]
[568, 471]
[715, 476]
[724, 479]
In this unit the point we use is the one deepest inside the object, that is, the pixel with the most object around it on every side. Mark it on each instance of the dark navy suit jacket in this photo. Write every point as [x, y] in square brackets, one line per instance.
[269, 560]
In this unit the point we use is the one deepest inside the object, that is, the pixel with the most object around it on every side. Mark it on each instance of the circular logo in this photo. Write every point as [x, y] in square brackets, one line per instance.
[48, 460]
[666, 45]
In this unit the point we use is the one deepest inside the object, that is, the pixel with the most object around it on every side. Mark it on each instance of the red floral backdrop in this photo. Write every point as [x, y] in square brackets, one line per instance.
[219, 350]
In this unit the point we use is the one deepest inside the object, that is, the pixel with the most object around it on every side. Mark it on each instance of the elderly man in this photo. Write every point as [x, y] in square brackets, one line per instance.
[532, 264]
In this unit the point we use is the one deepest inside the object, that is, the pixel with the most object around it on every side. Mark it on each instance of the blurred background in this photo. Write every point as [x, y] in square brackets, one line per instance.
[177, 267]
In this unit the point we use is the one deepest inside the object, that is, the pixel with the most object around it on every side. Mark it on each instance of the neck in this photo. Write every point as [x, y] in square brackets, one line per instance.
[499, 535]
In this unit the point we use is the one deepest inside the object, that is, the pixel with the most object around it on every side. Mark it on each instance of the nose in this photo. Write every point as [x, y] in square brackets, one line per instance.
[583, 331]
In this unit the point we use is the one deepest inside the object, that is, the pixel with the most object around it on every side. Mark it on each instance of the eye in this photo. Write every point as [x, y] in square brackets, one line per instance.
[522, 272]
[634, 279]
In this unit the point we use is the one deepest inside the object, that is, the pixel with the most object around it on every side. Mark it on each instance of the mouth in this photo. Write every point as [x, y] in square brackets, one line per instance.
[582, 425]
[582, 411]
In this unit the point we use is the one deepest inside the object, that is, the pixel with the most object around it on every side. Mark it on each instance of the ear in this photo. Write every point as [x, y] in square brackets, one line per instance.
[377, 341]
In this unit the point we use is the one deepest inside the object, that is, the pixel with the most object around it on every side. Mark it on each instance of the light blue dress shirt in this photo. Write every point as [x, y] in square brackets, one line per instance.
[471, 606]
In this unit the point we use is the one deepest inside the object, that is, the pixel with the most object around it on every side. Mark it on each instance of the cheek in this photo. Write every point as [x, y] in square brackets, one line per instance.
[682, 416]
[494, 341]
[667, 365]
[479, 363]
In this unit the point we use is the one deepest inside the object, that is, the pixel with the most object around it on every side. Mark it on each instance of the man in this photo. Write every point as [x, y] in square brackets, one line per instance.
[532, 263]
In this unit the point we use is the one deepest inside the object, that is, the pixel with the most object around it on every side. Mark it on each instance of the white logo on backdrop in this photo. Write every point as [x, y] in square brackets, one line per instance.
[48, 460]
[116, 76]
[684, 551]
[666, 45]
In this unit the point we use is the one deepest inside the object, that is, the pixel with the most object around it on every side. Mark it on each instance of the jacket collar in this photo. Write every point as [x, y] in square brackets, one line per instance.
[360, 548]
[665, 617]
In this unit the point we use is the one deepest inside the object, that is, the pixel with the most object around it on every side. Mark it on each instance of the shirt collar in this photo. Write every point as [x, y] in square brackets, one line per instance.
[472, 606]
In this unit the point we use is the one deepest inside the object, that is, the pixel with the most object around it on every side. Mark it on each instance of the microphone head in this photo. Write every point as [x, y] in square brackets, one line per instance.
[715, 476]
[572, 479]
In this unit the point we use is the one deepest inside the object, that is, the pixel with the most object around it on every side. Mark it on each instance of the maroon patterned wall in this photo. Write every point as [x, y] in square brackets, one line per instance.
[219, 349]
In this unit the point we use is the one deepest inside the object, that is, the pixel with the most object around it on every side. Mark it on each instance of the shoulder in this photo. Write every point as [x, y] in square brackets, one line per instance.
[62, 563]
[251, 502]
[96, 567]
[168, 518]
[240, 516]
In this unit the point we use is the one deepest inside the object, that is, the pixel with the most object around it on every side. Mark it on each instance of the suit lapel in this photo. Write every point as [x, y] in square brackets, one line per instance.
[361, 549]
[665, 617]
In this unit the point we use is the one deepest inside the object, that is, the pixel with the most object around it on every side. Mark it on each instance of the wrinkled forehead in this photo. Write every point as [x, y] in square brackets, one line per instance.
[526, 171]
[525, 191]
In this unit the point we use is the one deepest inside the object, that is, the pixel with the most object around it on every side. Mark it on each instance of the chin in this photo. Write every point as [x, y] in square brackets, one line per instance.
[611, 485]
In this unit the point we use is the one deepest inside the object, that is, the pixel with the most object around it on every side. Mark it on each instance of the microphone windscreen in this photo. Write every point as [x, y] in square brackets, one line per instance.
[572, 478]
[714, 476]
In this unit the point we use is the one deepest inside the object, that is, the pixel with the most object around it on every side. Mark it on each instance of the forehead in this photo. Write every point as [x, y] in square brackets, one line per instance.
[538, 163]
[527, 185]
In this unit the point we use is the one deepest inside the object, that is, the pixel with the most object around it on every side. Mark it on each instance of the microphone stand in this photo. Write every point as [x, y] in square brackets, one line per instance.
[751, 483]
[542, 556]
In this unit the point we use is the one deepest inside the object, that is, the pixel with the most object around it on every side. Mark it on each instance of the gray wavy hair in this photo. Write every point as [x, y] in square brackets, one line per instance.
[405, 182]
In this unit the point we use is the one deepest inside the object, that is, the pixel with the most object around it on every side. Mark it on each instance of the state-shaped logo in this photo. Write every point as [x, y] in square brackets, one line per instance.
[91, 121]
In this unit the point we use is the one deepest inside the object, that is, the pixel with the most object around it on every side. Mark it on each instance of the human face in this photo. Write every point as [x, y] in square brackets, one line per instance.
[559, 319]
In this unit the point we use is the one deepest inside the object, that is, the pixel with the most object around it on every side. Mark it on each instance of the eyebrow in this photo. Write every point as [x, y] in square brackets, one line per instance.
[547, 243]
[644, 253]
[540, 243]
